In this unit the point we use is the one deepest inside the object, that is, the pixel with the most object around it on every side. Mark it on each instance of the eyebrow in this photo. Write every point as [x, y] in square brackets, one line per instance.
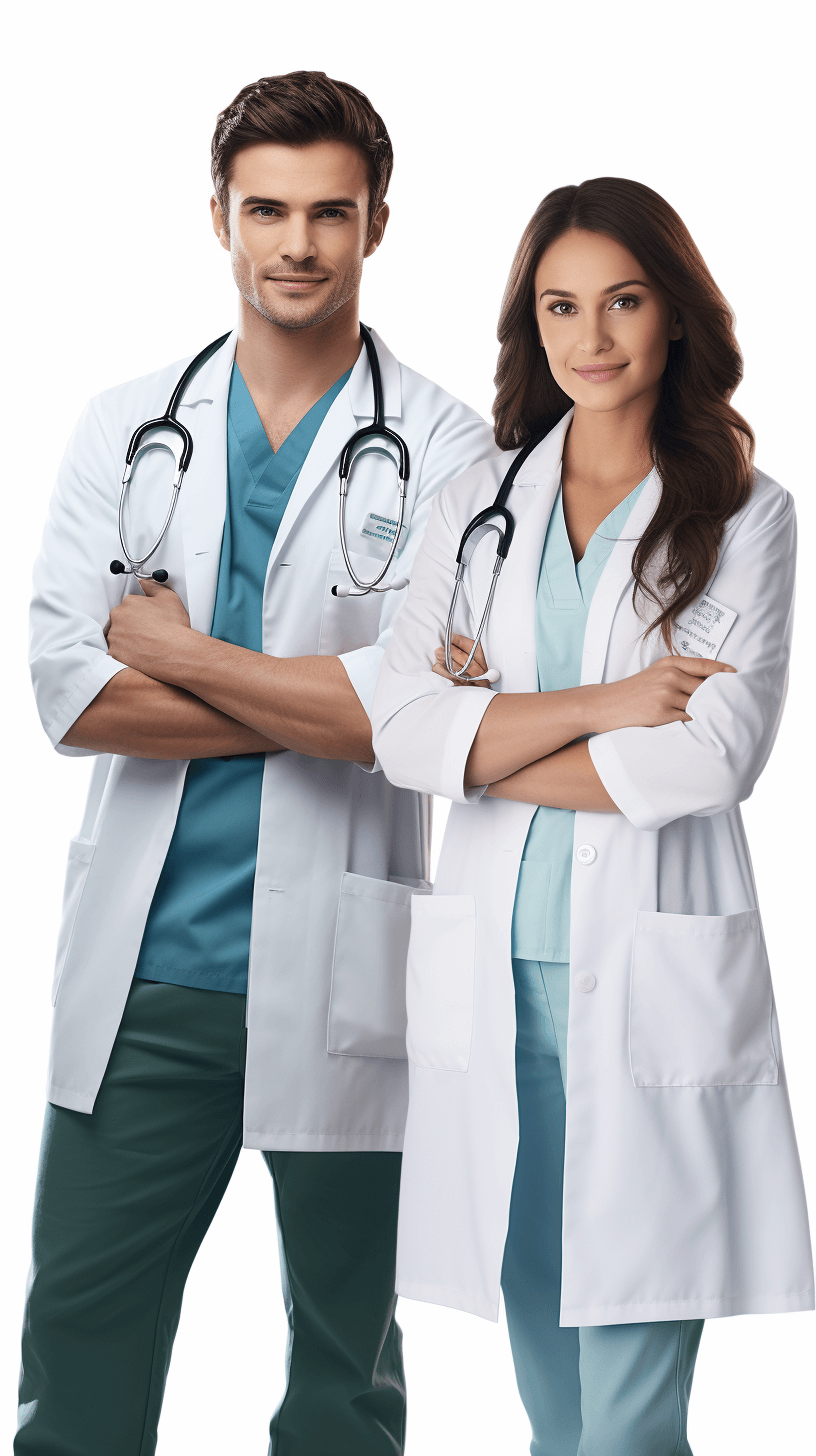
[615, 288]
[277, 202]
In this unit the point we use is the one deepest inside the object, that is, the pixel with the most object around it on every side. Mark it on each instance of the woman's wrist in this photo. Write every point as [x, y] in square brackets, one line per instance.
[589, 709]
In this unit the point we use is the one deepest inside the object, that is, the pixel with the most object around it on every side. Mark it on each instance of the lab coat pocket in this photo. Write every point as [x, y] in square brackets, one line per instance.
[367, 1006]
[441, 975]
[349, 622]
[701, 1002]
[80, 854]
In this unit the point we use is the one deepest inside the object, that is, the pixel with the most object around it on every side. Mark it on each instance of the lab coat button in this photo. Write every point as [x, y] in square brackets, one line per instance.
[586, 854]
[586, 981]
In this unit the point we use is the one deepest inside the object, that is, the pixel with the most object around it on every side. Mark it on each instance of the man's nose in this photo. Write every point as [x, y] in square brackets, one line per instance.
[297, 243]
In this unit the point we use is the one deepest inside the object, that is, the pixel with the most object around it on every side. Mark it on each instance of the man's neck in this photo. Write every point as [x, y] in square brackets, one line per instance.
[288, 370]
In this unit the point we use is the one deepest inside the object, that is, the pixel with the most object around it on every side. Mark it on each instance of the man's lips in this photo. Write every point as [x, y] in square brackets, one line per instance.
[599, 373]
[294, 284]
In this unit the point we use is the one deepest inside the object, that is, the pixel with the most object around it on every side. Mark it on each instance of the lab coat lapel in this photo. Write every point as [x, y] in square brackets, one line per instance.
[204, 493]
[353, 407]
[615, 579]
[511, 634]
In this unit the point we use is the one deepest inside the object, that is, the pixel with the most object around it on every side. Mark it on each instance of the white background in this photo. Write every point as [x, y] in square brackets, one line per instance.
[111, 270]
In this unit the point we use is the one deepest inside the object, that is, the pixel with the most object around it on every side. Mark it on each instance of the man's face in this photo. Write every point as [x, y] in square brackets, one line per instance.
[298, 229]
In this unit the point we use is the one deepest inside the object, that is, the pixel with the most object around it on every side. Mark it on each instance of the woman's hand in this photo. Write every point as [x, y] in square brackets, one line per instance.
[460, 651]
[656, 696]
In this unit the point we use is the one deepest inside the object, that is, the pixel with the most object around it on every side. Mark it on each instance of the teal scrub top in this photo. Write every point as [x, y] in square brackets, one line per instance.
[200, 920]
[541, 915]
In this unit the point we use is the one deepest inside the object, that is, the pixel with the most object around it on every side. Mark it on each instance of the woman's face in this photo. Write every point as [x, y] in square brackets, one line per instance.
[605, 327]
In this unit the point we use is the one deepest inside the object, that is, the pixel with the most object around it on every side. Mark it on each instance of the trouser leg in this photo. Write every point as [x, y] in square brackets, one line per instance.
[545, 1356]
[337, 1217]
[608, 1390]
[636, 1382]
[124, 1198]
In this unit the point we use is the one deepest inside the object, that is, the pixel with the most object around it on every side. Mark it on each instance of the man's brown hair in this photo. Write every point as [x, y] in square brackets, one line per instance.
[298, 109]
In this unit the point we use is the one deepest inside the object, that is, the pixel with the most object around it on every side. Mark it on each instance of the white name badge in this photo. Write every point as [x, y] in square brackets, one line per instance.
[382, 528]
[702, 628]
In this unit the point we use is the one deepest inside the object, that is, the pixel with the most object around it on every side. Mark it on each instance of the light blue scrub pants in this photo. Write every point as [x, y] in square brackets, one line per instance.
[606, 1390]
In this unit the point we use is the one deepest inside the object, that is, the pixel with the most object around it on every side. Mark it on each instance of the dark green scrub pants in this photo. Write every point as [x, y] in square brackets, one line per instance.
[124, 1199]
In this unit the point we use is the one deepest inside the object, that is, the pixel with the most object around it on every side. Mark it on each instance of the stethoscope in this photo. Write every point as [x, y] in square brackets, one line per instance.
[474, 532]
[181, 447]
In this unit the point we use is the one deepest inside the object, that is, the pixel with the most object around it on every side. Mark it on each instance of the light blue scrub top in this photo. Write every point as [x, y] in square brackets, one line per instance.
[541, 916]
[198, 928]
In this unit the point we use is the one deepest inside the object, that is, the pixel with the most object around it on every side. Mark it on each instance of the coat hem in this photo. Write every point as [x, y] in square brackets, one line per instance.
[322, 1142]
[451, 1298]
[70, 1098]
[687, 1309]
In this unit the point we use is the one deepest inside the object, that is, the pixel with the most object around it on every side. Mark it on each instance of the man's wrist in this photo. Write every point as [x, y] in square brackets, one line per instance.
[185, 663]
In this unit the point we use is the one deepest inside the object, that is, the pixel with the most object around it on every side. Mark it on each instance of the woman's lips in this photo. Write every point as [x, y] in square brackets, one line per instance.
[599, 374]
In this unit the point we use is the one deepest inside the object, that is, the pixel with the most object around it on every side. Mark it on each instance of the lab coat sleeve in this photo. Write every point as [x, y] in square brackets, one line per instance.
[460, 439]
[73, 590]
[424, 726]
[708, 766]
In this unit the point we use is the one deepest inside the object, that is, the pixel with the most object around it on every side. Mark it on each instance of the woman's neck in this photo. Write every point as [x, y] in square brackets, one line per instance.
[606, 454]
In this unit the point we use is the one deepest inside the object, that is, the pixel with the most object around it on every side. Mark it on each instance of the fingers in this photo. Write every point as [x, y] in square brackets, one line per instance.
[153, 588]
[461, 648]
[702, 666]
[459, 657]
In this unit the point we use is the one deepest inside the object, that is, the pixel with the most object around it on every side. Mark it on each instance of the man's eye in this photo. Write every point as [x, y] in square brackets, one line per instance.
[264, 212]
[332, 212]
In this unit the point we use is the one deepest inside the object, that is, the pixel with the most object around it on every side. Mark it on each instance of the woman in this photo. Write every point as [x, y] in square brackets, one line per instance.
[598, 1116]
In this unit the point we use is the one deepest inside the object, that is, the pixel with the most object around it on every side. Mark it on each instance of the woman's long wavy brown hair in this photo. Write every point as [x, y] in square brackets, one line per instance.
[701, 447]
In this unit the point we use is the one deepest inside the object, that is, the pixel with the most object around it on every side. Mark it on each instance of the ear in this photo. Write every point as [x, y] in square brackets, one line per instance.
[676, 329]
[219, 223]
[377, 229]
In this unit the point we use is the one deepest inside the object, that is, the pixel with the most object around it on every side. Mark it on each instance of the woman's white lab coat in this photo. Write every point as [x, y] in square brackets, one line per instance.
[683, 1195]
[339, 848]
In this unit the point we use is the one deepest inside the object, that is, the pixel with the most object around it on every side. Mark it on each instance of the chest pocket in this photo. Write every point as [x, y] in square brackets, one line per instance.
[349, 622]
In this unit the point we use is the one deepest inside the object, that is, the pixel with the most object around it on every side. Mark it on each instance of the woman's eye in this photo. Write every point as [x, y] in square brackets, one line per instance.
[626, 302]
[562, 309]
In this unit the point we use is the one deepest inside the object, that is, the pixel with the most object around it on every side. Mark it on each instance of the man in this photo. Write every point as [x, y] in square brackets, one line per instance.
[234, 828]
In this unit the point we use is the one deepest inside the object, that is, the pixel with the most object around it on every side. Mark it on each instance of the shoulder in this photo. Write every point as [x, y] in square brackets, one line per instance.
[437, 405]
[769, 510]
[121, 409]
[143, 397]
[475, 488]
[108, 420]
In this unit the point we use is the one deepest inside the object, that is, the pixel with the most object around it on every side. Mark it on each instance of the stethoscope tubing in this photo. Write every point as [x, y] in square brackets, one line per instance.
[168, 421]
[380, 430]
[486, 519]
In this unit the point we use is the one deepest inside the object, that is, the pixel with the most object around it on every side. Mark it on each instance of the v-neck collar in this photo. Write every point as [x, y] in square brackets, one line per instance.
[268, 467]
[567, 578]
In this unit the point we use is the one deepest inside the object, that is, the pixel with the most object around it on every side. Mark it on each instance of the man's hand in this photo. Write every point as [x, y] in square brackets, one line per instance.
[144, 630]
[307, 704]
